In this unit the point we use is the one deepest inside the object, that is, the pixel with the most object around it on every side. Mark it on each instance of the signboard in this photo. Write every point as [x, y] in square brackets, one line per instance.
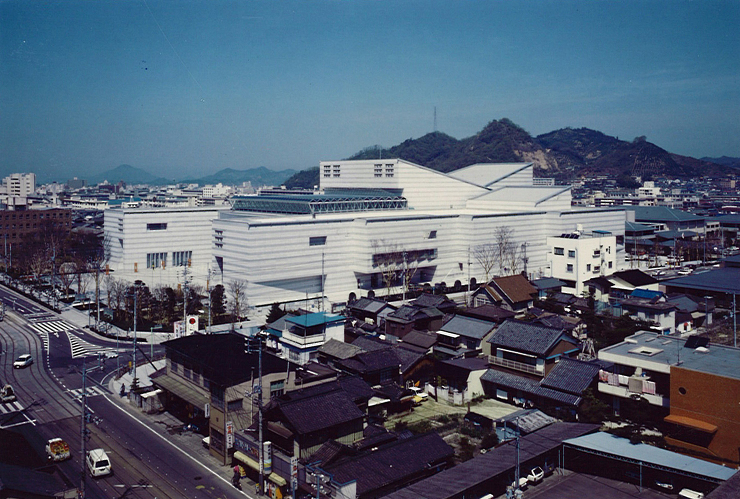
[178, 329]
[267, 456]
[293, 473]
[208, 410]
[192, 324]
[229, 434]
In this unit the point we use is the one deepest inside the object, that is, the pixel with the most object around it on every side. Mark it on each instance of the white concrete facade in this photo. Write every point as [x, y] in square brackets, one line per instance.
[154, 245]
[283, 257]
[575, 258]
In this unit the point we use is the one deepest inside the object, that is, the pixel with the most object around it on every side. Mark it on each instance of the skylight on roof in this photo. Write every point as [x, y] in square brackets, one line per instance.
[649, 351]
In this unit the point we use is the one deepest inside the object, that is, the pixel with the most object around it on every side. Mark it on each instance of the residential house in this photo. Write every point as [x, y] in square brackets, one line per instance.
[462, 377]
[488, 312]
[546, 286]
[303, 335]
[559, 393]
[512, 292]
[462, 336]
[650, 306]
[370, 310]
[577, 257]
[528, 348]
[407, 318]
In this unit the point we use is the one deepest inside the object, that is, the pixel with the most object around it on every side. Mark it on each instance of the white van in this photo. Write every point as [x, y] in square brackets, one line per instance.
[690, 494]
[98, 463]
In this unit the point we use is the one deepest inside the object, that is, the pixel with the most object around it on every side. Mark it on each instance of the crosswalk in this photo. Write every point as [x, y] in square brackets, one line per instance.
[9, 407]
[49, 327]
[92, 391]
[82, 348]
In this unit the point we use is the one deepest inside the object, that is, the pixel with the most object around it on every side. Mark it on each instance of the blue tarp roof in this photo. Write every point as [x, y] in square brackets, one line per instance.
[621, 447]
[646, 293]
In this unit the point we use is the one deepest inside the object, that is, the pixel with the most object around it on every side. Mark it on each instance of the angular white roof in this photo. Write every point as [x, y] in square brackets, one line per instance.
[485, 174]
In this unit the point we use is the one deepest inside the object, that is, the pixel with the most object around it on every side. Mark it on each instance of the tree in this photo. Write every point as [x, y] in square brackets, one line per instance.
[238, 292]
[485, 255]
[218, 303]
[275, 313]
[503, 236]
[388, 258]
[67, 272]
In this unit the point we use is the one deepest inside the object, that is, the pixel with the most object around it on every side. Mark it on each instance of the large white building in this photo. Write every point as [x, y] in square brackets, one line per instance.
[370, 215]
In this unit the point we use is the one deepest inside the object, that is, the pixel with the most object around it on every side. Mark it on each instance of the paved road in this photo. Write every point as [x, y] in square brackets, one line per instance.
[150, 456]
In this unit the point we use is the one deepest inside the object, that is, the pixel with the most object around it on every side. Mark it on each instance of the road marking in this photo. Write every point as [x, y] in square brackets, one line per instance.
[51, 326]
[28, 421]
[9, 407]
[92, 391]
[82, 348]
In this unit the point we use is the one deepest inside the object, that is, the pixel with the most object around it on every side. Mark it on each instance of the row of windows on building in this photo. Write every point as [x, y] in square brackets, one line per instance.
[179, 259]
[596, 268]
[32, 216]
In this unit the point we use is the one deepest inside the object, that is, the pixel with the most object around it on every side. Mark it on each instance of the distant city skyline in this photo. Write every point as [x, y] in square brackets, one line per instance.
[184, 89]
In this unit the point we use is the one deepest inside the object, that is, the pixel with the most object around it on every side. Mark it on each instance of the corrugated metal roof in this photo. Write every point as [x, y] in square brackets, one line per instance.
[647, 454]
[468, 327]
[571, 375]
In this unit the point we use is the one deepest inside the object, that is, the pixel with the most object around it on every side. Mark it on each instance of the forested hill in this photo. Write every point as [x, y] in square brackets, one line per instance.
[564, 154]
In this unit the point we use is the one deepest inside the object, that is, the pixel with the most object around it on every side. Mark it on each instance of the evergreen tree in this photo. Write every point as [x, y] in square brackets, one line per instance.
[275, 313]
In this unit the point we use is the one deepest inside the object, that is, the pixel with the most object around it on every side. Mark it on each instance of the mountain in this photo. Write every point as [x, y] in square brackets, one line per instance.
[724, 161]
[257, 176]
[129, 174]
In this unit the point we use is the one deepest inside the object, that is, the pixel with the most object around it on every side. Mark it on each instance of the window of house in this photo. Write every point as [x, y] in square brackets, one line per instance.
[235, 405]
[569, 267]
[597, 253]
[317, 241]
[597, 269]
[173, 366]
[160, 226]
[277, 388]
[610, 264]
[433, 234]
[571, 253]
[187, 373]
[588, 267]
[196, 378]
[559, 251]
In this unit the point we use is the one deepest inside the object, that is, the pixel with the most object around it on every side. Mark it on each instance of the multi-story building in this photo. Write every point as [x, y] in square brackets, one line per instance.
[17, 227]
[698, 383]
[374, 226]
[577, 257]
[20, 184]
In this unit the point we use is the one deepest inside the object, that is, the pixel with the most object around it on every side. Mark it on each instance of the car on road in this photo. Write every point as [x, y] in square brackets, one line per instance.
[98, 463]
[57, 450]
[419, 394]
[24, 360]
[685, 271]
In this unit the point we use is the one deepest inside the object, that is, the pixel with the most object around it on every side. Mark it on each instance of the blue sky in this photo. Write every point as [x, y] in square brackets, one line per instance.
[185, 88]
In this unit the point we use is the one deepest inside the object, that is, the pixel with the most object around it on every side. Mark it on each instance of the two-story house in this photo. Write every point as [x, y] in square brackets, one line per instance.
[528, 348]
[302, 335]
[462, 336]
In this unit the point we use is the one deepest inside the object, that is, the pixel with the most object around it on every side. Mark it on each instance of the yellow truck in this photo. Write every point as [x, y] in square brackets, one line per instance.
[57, 450]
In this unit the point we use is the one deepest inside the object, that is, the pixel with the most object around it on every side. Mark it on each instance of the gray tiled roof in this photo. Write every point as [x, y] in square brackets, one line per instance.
[468, 327]
[527, 337]
[528, 386]
[339, 349]
[322, 411]
[661, 214]
[547, 283]
[571, 375]
[370, 305]
[725, 280]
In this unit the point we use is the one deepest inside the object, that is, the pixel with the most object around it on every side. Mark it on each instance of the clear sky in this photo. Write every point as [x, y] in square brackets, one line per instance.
[190, 87]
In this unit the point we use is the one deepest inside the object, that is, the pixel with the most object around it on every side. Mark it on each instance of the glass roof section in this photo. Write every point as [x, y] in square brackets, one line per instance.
[331, 202]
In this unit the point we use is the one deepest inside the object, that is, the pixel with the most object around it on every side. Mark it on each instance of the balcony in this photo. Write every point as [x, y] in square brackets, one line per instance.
[517, 366]
[624, 392]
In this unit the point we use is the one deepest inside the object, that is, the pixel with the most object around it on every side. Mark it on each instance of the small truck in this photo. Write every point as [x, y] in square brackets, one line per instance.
[57, 450]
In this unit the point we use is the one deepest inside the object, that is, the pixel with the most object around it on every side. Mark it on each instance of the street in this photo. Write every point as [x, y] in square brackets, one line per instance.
[150, 458]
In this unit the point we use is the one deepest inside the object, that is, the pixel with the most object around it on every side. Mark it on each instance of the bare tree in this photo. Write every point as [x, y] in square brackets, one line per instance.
[238, 291]
[39, 263]
[513, 258]
[67, 272]
[388, 258]
[118, 290]
[502, 237]
[486, 256]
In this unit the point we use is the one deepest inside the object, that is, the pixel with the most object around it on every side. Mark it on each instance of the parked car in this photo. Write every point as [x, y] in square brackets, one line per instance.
[419, 393]
[685, 271]
[24, 360]
[536, 475]
[98, 463]
[57, 450]
[690, 494]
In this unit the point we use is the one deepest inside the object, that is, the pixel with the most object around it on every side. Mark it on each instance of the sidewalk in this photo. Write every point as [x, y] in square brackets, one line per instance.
[82, 321]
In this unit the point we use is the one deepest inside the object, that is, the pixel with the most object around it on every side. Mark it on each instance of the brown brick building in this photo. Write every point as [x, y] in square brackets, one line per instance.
[18, 226]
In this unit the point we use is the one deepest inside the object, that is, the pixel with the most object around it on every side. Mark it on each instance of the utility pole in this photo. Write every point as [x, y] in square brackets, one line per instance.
[405, 271]
[97, 295]
[208, 289]
[185, 299]
[136, 296]
[258, 391]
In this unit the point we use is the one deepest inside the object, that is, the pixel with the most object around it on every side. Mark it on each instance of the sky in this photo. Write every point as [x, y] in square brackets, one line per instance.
[186, 88]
